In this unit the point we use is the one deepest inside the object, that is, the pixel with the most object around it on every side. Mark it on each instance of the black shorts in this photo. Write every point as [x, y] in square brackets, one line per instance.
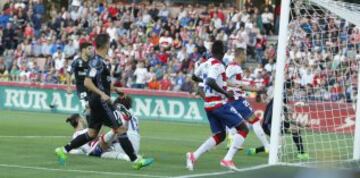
[103, 113]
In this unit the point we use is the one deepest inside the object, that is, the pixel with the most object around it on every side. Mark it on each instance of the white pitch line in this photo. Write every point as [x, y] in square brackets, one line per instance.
[77, 171]
[225, 172]
[61, 136]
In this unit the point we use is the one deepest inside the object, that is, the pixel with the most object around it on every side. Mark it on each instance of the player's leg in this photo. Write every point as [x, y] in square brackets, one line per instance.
[243, 107]
[218, 130]
[94, 124]
[233, 119]
[297, 139]
[113, 119]
[85, 106]
[266, 129]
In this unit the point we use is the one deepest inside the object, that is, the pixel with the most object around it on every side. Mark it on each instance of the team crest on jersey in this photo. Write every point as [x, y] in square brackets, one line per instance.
[80, 63]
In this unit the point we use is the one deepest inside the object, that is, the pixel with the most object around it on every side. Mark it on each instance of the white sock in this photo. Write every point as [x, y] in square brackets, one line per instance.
[238, 141]
[206, 146]
[260, 134]
[108, 137]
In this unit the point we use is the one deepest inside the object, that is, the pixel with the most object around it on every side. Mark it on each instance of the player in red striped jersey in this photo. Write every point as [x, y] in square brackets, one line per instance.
[236, 85]
[220, 114]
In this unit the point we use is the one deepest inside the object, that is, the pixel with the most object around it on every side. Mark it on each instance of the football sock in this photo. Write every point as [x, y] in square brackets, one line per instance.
[238, 140]
[260, 134]
[206, 146]
[127, 147]
[78, 141]
[108, 137]
[298, 142]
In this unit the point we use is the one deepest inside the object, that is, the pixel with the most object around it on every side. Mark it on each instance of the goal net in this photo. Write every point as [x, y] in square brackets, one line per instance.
[319, 85]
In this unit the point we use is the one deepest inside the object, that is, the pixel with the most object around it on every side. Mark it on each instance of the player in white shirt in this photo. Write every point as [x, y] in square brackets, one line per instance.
[220, 114]
[98, 147]
[235, 84]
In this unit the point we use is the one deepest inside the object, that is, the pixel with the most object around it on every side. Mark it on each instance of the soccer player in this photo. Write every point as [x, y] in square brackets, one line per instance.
[219, 113]
[79, 67]
[102, 111]
[113, 151]
[236, 85]
[288, 126]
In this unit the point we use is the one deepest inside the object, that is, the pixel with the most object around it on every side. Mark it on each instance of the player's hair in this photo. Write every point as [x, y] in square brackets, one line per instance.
[84, 45]
[102, 40]
[124, 100]
[217, 49]
[73, 120]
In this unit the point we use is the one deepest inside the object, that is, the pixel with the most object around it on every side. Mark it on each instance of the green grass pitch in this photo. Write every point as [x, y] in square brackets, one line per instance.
[167, 142]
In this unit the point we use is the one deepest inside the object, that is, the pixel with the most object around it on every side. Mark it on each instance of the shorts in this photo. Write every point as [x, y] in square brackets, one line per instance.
[103, 113]
[225, 116]
[243, 107]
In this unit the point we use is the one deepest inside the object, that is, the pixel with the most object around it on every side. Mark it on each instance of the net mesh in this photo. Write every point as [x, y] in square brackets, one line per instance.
[323, 54]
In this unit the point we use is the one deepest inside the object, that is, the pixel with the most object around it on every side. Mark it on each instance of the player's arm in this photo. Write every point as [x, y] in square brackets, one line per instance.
[70, 71]
[212, 84]
[245, 87]
[89, 84]
[197, 73]
[196, 78]
[92, 73]
[118, 90]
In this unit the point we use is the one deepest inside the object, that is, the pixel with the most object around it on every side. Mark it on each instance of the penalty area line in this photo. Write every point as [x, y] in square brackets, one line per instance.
[78, 171]
[225, 172]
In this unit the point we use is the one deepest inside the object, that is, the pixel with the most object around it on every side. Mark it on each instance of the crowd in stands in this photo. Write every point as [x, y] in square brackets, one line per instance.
[324, 53]
[156, 46]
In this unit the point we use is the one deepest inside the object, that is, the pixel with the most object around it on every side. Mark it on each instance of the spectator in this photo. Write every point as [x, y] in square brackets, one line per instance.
[270, 67]
[165, 83]
[267, 21]
[140, 74]
[4, 74]
[188, 85]
[59, 59]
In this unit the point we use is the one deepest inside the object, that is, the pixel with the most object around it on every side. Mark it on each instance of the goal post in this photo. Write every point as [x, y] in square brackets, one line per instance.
[318, 56]
[279, 82]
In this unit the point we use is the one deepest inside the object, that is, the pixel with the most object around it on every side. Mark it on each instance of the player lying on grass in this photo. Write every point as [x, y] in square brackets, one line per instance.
[220, 114]
[236, 84]
[288, 125]
[98, 147]
[102, 111]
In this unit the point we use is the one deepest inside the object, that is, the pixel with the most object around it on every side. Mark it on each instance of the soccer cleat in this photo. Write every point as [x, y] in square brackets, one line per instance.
[303, 156]
[251, 151]
[61, 155]
[190, 161]
[142, 162]
[228, 164]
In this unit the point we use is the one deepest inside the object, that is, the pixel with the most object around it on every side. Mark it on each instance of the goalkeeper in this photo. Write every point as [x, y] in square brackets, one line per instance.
[288, 125]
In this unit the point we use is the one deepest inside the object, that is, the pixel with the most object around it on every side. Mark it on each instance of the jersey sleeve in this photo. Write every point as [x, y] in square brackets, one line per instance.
[198, 70]
[95, 66]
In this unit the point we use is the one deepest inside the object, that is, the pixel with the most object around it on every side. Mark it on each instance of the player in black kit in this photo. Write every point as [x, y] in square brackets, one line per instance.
[288, 125]
[102, 110]
[79, 67]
